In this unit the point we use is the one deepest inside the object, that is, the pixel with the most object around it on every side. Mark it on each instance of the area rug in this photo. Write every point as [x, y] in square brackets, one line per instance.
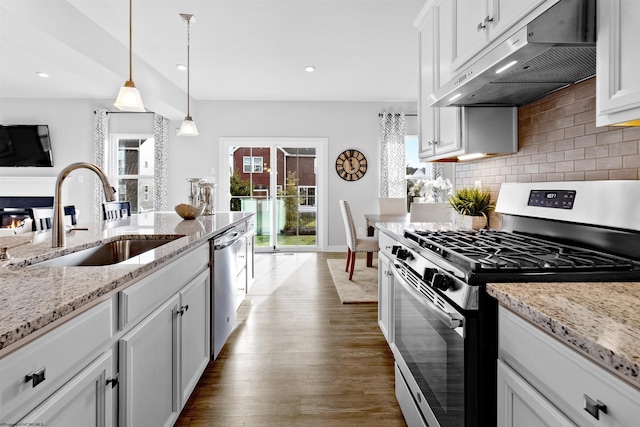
[364, 286]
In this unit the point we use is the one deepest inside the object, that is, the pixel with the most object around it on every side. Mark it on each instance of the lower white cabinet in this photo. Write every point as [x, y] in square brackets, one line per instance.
[543, 382]
[521, 405]
[162, 358]
[385, 286]
[86, 400]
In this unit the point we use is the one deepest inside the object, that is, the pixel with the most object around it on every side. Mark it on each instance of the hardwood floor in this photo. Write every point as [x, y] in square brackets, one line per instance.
[298, 357]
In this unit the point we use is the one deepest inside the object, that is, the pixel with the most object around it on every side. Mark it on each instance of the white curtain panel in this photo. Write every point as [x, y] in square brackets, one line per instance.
[101, 136]
[392, 166]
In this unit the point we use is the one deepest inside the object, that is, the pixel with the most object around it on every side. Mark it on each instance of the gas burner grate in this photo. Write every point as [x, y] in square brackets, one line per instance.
[493, 250]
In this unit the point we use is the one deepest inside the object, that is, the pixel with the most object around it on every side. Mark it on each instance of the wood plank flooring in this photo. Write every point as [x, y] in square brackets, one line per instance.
[298, 357]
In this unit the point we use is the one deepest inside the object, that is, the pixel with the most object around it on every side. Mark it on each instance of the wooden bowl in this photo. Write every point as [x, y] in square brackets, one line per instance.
[188, 211]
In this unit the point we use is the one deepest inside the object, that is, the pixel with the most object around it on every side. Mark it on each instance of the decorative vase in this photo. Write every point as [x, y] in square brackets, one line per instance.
[470, 222]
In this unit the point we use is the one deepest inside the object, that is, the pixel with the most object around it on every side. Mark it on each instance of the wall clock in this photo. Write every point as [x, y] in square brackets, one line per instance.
[351, 165]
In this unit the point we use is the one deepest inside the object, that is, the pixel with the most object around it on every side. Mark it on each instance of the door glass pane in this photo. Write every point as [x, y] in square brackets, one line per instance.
[297, 197]
[135, 172]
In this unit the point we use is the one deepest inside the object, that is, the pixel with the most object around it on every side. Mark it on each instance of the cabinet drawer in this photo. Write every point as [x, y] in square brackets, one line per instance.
[140, 299]
[60, 354]
[564, 376]
[386, 243]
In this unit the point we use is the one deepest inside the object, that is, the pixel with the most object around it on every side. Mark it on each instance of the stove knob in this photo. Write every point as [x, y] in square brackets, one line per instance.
[441, 281]
[404, 254]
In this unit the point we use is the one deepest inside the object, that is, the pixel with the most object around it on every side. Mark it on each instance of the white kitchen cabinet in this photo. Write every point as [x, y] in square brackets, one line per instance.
[542, 375]
[162, 358]
[149, 369]
[194, 333]
[476, 23]
[438, 127]
[521, 405]
[617, 63]
[385, 285]
[86, 400]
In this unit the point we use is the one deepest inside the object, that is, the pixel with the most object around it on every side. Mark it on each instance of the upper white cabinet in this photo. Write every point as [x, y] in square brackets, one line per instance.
[476, 23]
[617, 85]
[438, 126]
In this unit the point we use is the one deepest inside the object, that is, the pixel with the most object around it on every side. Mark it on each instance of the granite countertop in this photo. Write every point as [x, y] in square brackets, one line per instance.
[33, 297]
[602, 323]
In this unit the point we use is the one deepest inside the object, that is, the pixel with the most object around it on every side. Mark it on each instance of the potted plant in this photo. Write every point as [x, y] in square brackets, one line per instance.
[472, 204]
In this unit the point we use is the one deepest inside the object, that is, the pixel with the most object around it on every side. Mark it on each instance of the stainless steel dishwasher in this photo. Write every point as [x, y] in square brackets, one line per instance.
[225, 255]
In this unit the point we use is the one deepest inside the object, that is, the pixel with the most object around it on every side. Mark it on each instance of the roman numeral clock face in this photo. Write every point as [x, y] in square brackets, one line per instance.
[351, 165]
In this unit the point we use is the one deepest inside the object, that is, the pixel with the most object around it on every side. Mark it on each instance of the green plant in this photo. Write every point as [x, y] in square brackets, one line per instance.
[472, 201]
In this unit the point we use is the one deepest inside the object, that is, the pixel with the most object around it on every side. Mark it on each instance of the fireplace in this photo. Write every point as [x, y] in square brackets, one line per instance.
[14, 209]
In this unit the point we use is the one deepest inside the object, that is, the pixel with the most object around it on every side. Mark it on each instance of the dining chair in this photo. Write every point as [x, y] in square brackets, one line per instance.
[430, 212]
[392, 205]
[43, 217]
[116, 210]
[354, 243]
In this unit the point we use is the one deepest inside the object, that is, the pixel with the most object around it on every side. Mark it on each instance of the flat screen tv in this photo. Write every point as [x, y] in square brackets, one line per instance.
[25, 145]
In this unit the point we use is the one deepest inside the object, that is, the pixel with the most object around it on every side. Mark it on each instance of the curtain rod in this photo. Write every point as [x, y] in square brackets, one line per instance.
[125, 112]
[406, 114]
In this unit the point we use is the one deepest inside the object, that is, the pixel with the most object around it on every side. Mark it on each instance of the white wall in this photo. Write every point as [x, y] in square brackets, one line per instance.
[345, 124]
[71, 127]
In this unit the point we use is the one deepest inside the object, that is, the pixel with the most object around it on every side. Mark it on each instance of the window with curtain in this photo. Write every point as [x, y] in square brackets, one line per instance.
[392, 155]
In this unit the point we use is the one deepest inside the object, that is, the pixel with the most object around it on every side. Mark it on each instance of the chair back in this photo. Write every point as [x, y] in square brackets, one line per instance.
[430, 212]
[392, 205]
[349, 226]
[43, 217]
[116, 210]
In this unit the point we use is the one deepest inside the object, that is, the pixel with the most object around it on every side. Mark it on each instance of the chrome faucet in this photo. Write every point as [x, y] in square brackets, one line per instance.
[58, 238]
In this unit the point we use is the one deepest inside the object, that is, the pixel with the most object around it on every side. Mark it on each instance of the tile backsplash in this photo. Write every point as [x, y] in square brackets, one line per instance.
[559, 141]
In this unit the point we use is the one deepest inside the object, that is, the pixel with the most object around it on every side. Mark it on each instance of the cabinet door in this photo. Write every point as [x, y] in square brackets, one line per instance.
[449, 125]
[385, 292]
[194, 333]
[427, 122]
[521, 405]
[86, 400]
[443, 12]
[505, 13]
[617, 85]
[469, 32]
[148, 369]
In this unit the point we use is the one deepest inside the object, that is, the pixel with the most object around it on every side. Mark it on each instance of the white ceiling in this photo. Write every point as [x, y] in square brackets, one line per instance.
[364, 50]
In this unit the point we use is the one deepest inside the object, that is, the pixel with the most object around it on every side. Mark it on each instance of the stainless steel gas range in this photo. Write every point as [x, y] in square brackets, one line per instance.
[444, 327]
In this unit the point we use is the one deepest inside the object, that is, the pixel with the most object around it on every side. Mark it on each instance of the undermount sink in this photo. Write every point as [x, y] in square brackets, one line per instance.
[110, 253]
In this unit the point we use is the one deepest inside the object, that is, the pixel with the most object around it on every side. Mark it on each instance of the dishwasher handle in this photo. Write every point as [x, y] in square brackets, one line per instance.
[225, 240]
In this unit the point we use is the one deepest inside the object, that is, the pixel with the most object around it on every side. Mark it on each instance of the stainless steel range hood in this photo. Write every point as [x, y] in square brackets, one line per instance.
[553, 51]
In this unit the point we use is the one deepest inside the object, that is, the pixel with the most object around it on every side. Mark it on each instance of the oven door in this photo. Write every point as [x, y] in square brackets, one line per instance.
[429, 348]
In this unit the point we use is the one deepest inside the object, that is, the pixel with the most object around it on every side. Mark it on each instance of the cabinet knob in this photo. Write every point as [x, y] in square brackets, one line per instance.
[481, 26]
[36, 377]
[114, 381]
[594, 407]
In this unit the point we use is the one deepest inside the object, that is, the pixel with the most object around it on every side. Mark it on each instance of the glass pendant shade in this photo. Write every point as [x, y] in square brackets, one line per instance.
[129, 98]
[188, 127]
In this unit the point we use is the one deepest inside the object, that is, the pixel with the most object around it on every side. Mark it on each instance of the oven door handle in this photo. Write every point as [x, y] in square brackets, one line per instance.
[452, 320]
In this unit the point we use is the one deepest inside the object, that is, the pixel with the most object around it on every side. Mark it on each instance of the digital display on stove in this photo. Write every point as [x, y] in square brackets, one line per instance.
[559, 199]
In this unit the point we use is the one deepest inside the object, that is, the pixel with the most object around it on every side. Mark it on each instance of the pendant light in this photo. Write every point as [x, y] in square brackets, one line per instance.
[129, 98]
[188, 126]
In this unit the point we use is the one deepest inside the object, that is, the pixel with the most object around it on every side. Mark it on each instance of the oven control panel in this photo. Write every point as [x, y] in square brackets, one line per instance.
[559, 199]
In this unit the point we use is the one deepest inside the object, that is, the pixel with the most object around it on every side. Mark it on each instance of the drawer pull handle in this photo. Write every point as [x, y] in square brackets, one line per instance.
[183, 309]
[594, 407]
[36, 377]
[113, 381]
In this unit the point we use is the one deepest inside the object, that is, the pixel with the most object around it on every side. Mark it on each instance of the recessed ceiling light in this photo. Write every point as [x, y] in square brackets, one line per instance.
[181, 67]
[309, 68]
[41, 74]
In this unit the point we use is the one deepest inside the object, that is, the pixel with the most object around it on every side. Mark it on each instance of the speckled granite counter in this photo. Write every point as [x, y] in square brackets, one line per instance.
[33, 297]
[602, 322]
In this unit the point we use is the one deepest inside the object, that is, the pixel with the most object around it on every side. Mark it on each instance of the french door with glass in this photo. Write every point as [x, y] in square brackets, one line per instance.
[279, 180]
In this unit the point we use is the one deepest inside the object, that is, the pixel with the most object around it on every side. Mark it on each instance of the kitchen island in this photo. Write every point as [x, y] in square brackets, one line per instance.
[78, 333]
[34, 299]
